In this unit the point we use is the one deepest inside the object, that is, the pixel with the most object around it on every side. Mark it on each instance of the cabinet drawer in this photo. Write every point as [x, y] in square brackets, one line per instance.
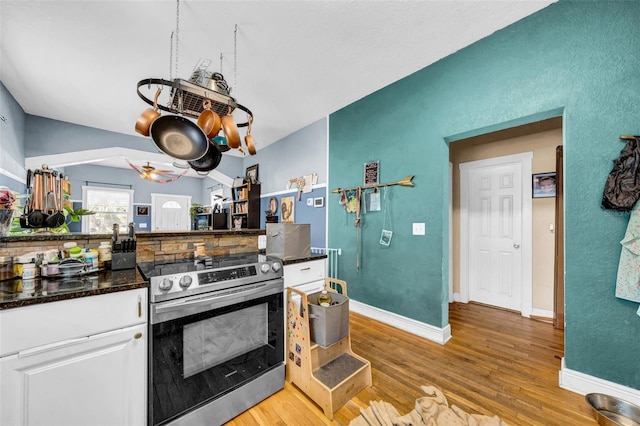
[301, 273]
[36, 325]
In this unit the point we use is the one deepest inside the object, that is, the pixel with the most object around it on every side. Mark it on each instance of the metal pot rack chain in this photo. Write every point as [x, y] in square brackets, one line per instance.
[187, 98]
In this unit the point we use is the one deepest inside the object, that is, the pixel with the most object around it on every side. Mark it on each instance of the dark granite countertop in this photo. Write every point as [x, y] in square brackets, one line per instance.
[17, 293]
[48, 236]
[304, 259]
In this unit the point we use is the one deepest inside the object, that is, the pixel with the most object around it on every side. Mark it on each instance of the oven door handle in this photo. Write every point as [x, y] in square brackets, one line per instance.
[189, 306]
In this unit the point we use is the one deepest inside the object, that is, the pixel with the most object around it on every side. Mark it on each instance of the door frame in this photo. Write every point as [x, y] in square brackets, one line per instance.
[525, 160]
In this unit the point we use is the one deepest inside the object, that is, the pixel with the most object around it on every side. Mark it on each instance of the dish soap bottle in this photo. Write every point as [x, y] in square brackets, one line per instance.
[324, 299]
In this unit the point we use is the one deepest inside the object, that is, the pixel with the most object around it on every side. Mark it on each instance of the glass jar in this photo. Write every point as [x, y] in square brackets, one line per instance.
[6, 268]
[19, 263]
[324, 299]
[104, 254]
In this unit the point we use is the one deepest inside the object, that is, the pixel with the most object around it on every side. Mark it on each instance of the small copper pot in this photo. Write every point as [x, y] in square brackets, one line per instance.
[143, 124]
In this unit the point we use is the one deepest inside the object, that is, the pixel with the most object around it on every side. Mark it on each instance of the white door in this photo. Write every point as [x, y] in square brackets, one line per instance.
[96, 380]
[497, 238]
[170, 212]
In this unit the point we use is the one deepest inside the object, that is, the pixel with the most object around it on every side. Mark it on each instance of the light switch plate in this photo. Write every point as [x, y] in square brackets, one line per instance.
[262, 242]
[310, 202]
[142, 225]
[418, 229]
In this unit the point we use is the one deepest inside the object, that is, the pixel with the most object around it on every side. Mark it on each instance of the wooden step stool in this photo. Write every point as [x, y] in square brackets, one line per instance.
[329, 376]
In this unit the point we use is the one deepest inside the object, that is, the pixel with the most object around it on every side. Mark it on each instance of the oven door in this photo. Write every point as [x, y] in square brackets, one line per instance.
[204, 347]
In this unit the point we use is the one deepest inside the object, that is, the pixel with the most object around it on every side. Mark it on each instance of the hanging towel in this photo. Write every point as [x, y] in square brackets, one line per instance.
[628, 281]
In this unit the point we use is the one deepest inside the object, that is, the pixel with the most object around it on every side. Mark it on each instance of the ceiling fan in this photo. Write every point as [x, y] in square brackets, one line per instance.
[150, 173]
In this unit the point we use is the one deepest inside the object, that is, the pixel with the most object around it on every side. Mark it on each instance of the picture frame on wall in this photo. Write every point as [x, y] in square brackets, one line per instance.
[287, 210]
[252, 173]
[543, 185]
[142, 210]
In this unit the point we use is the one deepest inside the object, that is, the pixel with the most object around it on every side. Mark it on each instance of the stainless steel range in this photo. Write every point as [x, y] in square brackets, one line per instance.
[217, 337]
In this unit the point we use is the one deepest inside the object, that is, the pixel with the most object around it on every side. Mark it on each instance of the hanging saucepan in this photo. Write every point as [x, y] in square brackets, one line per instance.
[179, 137]
[209, 161]
[231, 130]
[249, 139]
[208, 120]
[148, 116]
[221, 141]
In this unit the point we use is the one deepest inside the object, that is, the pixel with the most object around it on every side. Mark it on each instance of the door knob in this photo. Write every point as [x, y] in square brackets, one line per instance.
[516, 245]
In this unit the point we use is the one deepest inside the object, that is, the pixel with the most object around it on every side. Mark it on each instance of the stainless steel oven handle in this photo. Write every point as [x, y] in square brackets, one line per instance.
[183, 304]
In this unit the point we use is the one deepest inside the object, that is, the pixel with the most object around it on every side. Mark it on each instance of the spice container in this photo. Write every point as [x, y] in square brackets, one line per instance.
[28, 271]
[52, 268]
[19, 263]
[91, 260]
[67, 247]
[75, 252]
[104, 254]
[6, 268]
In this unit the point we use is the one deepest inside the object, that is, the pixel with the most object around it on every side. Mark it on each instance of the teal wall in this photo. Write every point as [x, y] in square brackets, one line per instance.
[577, 59]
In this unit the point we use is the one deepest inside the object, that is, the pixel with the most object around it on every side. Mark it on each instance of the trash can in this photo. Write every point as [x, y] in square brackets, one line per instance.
[328, 324]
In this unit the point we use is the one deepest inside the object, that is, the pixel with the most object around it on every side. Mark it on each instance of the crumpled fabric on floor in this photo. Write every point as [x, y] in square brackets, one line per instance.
[430, 410]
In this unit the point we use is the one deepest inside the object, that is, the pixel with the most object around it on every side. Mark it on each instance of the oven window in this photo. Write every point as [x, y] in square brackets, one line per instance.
[212, 341]
[200, 357]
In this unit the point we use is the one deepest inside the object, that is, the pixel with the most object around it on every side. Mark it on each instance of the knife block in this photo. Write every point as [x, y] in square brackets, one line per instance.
[123, 260]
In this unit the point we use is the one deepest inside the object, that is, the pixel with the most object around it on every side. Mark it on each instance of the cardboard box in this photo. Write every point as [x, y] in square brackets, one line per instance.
[289, 240]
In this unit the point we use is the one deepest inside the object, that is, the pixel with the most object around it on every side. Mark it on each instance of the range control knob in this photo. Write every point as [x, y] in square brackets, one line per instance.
[185, 281]
[276, 266]
[264, 268]
[166, 284]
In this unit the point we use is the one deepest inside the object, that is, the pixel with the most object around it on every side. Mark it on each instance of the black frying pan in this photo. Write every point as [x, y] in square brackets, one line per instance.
[209, 161]
[179, 137]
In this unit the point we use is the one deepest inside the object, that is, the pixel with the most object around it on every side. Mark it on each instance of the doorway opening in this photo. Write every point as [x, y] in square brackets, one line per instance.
[543, 250]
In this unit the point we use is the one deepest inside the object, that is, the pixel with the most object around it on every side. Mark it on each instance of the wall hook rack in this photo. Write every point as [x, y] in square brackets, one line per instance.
[403, 182]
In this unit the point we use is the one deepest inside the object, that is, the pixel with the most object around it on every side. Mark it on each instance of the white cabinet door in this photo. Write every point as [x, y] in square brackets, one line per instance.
[95, 380]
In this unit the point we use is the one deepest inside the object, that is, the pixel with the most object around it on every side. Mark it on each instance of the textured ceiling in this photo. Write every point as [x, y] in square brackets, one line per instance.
[292, 62]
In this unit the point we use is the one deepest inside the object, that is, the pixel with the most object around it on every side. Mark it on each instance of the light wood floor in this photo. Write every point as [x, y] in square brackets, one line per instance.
[497, 363]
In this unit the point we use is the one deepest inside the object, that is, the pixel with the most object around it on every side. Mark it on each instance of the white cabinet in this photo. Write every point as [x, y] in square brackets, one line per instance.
[96, 378]
[306, 276]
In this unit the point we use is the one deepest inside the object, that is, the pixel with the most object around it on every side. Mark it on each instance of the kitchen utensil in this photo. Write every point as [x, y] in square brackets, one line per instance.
[209, 121]
[209, 161]
[231, 130]
[55, 217]
[25, 213]
[143, 124]
[179, 137]
[248, 139]
[612, 411]
[36, 217]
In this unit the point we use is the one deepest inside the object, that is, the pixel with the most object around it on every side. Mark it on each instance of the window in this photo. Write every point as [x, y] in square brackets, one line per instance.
[111, 206]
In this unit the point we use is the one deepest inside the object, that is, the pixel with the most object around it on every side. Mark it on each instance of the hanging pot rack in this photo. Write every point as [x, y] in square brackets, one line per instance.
[187, 98]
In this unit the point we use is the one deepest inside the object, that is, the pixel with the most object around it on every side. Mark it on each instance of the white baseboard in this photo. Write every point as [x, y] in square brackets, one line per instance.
[583, 384]
[439, 335]
[541, 313]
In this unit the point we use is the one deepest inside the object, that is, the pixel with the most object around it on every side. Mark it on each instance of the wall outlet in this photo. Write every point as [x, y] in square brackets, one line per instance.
[142, 225]
[262, 242]
[418, 229]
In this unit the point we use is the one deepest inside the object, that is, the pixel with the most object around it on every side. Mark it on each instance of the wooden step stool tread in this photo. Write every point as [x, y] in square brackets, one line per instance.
[338, 369]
